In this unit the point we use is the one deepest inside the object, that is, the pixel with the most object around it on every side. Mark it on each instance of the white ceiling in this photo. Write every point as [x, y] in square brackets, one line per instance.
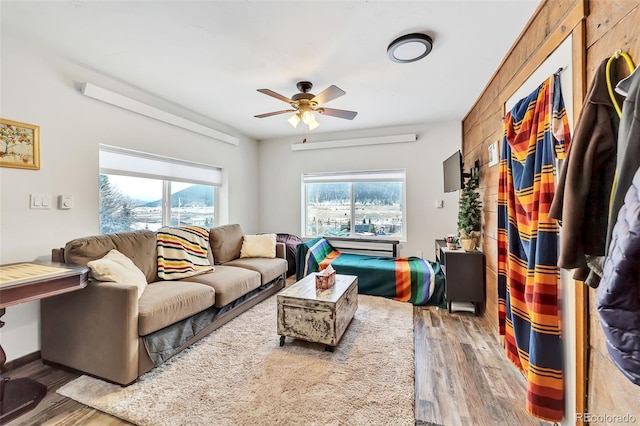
[209, 57]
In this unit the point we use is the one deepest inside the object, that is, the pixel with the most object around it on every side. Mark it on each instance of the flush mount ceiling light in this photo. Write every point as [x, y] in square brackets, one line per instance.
[410, 48]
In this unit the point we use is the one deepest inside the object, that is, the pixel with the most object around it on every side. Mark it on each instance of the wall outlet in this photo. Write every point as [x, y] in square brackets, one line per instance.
[439, 204]
[419, 254]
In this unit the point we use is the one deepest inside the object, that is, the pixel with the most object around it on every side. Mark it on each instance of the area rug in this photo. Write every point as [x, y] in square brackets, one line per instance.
[239, 375]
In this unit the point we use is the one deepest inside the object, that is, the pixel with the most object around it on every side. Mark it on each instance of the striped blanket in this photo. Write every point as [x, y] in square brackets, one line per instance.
[406, 279]
[535, 131]
[182, 252]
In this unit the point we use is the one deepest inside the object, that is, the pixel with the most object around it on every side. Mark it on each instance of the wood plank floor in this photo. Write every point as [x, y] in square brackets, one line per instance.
[461, 374]
[461, 378]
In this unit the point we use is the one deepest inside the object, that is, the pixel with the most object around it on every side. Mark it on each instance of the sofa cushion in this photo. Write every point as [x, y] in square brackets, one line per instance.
[263, 245]
[139, 246]
[226, 242]
[269, 269]
[118, 268]
[165, 302]
[229, 282]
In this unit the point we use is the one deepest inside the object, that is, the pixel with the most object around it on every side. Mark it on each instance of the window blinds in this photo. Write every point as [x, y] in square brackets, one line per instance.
[122, 161]
[359, 176]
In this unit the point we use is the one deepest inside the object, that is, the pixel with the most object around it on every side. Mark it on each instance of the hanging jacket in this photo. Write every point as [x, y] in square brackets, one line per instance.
[628, 161]
[619, 290]
[581, 201]
[628, 143]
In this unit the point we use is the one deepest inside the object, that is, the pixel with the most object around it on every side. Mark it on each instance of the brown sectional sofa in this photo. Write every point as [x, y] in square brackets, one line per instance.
[104, 329]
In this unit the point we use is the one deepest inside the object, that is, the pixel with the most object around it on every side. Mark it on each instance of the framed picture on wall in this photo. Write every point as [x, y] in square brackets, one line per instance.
[19, 145]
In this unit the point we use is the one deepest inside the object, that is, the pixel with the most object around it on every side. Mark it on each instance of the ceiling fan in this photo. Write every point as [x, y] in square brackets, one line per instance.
[304, 104]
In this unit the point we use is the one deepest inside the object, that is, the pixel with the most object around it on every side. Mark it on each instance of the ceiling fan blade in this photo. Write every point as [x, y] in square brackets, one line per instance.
[275, 95]
[269, 114]
[328, 94]
[340, 113]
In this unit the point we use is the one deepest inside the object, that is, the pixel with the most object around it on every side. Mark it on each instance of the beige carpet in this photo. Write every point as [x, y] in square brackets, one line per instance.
[239, 375]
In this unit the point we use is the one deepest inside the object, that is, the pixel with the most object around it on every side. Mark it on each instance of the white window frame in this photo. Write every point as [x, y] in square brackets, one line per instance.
[351, 177]
[127, 162]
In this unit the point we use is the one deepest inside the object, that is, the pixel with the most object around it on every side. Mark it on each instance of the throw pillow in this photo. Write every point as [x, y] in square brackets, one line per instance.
[116, 267]
[263, 245]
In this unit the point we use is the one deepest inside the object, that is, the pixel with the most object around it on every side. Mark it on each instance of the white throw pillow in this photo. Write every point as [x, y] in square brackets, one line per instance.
[263, 245]
[116, 267]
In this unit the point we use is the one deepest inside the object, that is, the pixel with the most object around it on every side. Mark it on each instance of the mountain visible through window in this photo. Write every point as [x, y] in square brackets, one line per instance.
[366, 204]
[131, 203]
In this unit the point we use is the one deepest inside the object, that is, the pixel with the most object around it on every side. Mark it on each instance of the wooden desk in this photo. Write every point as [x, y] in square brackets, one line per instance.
[26, 282]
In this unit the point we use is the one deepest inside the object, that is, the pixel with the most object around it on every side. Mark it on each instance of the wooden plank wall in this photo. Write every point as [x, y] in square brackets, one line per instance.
[610, 25]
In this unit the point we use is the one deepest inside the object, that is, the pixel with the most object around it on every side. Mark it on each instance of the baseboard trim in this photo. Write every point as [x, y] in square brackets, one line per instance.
[19, 362]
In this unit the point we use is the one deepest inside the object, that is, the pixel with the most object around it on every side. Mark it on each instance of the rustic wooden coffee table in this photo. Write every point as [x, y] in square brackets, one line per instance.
[319, 316]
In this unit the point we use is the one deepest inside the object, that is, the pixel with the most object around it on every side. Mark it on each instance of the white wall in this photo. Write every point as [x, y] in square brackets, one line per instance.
[281, 170]
[39, 89]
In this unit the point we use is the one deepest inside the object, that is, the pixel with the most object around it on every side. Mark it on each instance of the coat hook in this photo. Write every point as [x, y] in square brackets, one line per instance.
[617, 53]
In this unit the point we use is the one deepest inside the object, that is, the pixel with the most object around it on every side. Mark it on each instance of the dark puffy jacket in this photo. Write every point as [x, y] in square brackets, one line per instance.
[619, 291]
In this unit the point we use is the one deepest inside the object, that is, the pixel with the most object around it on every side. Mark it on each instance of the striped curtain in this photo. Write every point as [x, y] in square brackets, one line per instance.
[536, 131]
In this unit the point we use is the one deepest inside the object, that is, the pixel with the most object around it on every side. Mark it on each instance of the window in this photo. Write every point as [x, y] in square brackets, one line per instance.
[143, 191]
[373, 201]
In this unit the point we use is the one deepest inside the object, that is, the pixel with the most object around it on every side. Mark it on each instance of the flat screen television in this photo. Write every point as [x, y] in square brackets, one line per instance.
[453, 174]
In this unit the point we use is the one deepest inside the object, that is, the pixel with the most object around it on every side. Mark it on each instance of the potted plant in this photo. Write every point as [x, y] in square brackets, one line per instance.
[469, 214]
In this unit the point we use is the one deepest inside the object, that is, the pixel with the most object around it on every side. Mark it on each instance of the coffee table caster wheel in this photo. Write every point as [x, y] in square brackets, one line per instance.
[329, 348]
[281, 340]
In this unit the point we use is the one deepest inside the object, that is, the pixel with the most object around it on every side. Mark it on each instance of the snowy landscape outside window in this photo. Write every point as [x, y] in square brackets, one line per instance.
[354, 204]
[145, 191]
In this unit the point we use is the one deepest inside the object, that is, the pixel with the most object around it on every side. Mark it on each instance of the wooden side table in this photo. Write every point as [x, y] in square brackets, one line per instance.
[26, 282]
[464, 275]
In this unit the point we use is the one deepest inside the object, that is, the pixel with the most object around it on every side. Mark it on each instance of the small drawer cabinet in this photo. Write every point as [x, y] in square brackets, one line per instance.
[464, 275]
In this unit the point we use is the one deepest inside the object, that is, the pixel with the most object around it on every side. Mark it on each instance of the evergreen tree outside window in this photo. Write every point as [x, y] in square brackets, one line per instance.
[116, 209]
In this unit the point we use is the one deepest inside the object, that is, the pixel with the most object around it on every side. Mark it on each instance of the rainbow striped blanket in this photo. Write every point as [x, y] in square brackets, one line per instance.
[536, 132]
[182, 252]
[406, 279]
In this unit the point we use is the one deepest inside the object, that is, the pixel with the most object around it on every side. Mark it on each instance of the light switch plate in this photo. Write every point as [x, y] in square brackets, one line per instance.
[40, 201]
[494, 158]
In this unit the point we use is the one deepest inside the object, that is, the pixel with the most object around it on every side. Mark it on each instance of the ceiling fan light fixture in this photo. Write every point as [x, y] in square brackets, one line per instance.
[306, 104]
[308, 117]
[294, 120]
[314, 124]
[410, 48]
